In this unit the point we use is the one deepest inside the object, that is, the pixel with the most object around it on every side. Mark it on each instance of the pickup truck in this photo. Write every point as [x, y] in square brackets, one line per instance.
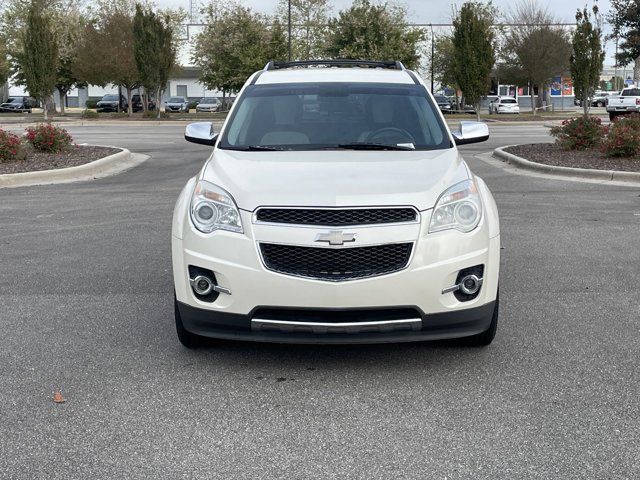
[627, 102]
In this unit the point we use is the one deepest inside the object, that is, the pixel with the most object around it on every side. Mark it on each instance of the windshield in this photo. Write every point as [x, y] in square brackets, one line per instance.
[13, 100]
[312, 116]
[441, 99]
[113, 98]
[176, 100]
[209, 100]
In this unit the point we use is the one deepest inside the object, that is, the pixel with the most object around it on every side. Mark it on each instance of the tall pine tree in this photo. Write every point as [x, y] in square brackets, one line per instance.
[38, 58]
[587, 56]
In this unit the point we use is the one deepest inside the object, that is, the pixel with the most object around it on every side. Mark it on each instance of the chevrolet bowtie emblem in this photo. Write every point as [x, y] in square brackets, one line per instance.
[336, 237]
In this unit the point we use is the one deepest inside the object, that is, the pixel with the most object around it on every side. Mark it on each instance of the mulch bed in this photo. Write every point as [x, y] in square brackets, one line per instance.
[77, 155]
[551, 154]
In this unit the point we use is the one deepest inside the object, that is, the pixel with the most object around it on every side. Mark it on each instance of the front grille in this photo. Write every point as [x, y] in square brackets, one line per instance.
[336, 264]
[336, 217]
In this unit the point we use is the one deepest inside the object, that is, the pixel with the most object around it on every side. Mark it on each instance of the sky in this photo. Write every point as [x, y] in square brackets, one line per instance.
[431, 11]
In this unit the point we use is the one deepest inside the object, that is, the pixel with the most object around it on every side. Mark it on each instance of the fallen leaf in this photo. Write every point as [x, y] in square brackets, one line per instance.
[57, 397]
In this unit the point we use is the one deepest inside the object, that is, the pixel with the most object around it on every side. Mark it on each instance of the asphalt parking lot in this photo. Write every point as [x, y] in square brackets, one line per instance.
[86, 308]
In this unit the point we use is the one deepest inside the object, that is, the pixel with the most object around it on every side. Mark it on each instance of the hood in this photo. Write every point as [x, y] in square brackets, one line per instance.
[335, 178]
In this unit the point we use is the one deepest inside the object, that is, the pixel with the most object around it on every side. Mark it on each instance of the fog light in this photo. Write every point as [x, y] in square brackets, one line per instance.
[202, 285]
[470, 284]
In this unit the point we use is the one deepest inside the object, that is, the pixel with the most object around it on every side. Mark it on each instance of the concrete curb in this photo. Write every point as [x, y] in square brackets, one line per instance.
[575, 173]
[103, 167]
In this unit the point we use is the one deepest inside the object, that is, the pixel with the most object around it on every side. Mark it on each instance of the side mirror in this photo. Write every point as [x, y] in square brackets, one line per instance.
[201, 132]
[471, 132]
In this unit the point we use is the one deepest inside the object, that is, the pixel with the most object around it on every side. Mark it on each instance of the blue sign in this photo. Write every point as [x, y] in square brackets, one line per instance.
[628, 81]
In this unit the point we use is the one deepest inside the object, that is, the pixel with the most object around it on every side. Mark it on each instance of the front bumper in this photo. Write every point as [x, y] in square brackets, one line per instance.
[438, 326]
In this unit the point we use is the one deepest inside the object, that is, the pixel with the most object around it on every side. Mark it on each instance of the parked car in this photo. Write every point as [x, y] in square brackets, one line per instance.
[504, 105]
[19, 105]
[600, 99]
[443, 103]
[137, 106]
[208, 104]
[110, 103]
[624, 103]
[177, 104]
[355, 221]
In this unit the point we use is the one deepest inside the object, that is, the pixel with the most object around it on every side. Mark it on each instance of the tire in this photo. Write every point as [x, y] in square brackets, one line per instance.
[187, 339]
[485, 338]
[612, 117]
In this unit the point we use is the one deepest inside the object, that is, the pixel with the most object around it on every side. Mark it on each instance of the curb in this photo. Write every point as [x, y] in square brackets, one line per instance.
[103, 167]
[586, 173]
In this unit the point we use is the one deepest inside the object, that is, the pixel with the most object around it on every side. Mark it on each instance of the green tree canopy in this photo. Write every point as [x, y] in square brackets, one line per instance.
[235, 43]
[38, 59]
[369, 31]
[155, 49]
[309, 19]
[473, 51]
[624, 18]
[587, 56]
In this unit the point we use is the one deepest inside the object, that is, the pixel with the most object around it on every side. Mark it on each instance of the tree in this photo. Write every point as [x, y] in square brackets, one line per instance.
[536, 50]
[67, 21]
[106, 51]
[4, 62]
[38, 59]
[587, 56]
[234, 44]
[155, 50]
[371, 31]
[309, 19]
[473, 54]
[625, 22]
[443, 70]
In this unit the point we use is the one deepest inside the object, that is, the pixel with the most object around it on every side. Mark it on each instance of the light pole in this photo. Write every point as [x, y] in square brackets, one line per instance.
[289, 29]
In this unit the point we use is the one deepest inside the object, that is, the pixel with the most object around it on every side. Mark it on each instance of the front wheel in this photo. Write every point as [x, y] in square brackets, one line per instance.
[485, 338]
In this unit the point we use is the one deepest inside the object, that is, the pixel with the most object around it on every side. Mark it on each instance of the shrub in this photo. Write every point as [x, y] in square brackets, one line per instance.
[91, 103]
[46, 137]
[86, 113]
[152, 114]
[579, 133]
[10, 147]
[623, 139]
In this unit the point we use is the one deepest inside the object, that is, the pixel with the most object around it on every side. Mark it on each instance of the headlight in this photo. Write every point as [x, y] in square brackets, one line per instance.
[458, 207]
[214, 209]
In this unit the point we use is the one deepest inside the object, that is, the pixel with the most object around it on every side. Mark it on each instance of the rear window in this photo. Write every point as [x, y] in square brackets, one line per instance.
[632, 92]
[508, 100]
[14, 100]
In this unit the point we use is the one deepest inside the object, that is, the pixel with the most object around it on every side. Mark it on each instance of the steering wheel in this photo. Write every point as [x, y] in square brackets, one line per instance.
[391, 132]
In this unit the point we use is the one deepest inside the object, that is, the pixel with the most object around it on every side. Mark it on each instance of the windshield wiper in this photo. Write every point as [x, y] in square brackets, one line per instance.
[373, 146]
[252, 148]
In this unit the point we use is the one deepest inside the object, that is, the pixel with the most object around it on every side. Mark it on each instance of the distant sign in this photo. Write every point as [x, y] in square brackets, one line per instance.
[628, 81]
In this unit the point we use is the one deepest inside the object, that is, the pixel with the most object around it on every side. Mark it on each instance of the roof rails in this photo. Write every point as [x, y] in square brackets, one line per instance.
[390, 64]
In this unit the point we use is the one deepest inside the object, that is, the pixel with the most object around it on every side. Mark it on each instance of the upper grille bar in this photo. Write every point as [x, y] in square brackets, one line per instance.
[336, 217]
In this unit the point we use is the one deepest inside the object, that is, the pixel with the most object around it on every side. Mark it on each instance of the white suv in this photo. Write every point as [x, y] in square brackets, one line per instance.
[335, 208]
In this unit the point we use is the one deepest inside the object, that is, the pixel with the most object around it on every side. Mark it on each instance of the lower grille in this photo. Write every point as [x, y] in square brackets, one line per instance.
[336, 264]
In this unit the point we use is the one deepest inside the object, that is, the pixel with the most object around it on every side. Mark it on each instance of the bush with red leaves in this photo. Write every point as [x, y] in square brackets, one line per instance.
[46, 137]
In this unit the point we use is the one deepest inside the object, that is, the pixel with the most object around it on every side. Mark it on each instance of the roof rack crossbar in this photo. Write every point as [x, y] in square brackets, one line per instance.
[391, 64]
